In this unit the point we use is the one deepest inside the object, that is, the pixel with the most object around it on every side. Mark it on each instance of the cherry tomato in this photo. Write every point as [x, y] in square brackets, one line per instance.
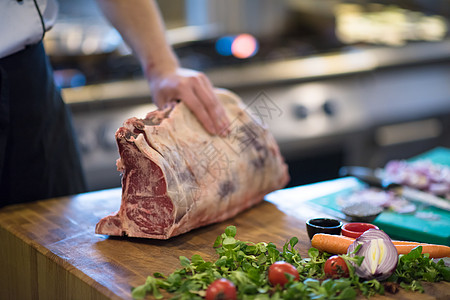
[277, 273]
[221, 289]
[335, 266]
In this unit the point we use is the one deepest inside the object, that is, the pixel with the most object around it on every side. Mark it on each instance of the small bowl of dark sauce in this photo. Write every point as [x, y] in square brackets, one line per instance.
[323, 225]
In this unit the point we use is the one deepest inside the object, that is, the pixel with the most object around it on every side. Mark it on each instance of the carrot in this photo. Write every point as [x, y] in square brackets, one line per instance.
[334, 244]
[406, 243]
[435, 251]
[338, 244]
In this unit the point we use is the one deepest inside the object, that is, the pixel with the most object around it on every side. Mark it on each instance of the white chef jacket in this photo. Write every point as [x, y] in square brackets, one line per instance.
[24, 22]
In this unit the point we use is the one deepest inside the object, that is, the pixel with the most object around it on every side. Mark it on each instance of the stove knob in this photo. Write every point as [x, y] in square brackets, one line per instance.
[329, 107]
[300, 111]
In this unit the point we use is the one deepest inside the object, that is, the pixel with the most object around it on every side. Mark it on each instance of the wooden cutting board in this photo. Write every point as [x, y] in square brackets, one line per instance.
[49, 249]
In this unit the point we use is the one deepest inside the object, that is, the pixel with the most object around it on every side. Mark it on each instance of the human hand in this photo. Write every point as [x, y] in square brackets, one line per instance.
[196, 91]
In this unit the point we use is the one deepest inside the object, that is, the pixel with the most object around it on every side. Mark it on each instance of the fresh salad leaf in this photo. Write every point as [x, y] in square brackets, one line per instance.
[415, 267]
[246, 265]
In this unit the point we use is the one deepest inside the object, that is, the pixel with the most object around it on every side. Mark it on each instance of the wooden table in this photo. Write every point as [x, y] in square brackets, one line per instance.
[49, 249]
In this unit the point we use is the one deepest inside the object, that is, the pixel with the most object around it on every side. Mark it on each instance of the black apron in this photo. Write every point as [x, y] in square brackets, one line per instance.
[39, 157]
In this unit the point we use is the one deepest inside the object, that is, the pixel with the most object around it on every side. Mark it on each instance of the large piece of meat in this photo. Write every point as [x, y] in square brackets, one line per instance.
[177, 177]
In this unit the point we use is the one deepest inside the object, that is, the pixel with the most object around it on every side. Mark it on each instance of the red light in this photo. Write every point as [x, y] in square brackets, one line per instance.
[244, 46]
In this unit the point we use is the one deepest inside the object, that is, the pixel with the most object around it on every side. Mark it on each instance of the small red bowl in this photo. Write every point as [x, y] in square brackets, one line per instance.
[354, 230]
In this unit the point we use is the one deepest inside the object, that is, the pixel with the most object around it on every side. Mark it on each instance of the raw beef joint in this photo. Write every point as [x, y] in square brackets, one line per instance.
[177, 177]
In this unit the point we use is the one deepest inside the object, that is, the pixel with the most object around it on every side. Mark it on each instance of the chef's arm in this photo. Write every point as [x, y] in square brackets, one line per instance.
[141, 26]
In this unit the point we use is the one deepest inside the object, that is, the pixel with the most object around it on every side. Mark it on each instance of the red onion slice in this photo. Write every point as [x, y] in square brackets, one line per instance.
[380, 255]
[422, 174]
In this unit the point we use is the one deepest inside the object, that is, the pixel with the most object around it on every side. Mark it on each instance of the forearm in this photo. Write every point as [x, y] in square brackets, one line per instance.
[140, 24]
[142, 28]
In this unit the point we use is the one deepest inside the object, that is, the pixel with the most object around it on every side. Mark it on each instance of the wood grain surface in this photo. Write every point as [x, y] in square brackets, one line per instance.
[49, 249]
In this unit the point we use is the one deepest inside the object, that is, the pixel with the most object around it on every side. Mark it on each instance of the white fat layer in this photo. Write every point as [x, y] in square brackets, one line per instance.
[143, 146]
[377, 253]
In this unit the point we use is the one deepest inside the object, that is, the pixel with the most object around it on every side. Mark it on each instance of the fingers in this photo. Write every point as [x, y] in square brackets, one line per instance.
[218, 109]
[197, 92]
[194, 103]
[216, 112]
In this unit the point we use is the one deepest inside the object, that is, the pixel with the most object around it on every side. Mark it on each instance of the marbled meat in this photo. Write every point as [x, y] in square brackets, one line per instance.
[177, 177]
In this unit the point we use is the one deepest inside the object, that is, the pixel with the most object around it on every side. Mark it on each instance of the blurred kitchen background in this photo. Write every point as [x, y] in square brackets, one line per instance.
[337, 82]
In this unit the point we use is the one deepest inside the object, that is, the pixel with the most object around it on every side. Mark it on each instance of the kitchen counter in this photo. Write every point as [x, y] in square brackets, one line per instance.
[49, 249]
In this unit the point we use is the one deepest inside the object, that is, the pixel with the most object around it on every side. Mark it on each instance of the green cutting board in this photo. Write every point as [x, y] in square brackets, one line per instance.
[404, 226]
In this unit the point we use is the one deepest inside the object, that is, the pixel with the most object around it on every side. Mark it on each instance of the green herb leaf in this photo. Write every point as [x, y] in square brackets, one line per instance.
[246, 265]
[313, 253]
[230, 231]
